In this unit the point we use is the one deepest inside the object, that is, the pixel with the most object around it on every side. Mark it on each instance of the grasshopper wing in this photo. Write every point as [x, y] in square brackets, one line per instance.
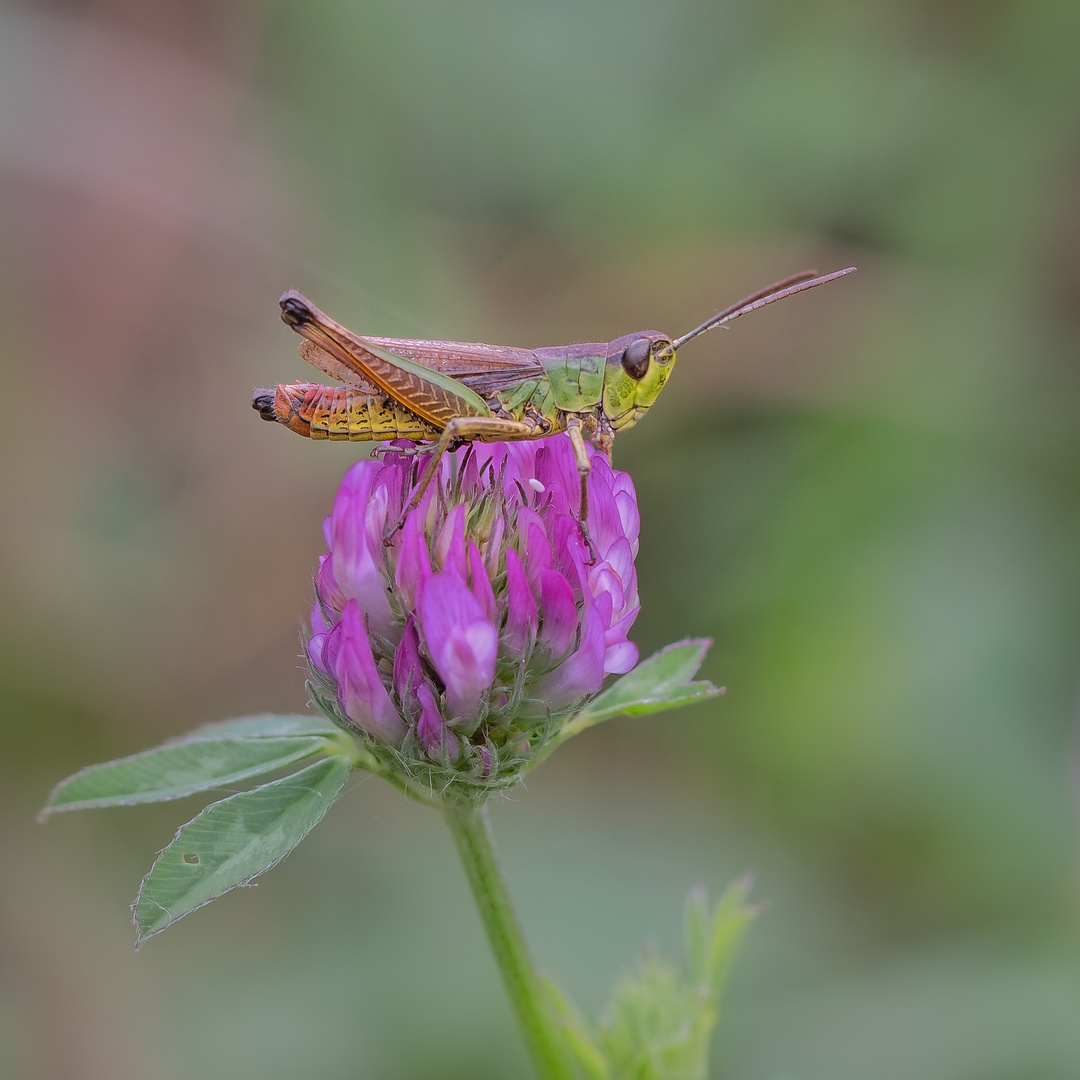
[487, 369]
[330, 365]
[431, 395]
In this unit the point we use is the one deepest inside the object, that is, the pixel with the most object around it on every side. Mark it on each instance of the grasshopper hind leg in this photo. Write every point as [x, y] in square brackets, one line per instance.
[461, 430]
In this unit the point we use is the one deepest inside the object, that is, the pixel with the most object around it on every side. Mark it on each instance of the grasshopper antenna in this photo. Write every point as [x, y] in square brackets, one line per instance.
[778, 290]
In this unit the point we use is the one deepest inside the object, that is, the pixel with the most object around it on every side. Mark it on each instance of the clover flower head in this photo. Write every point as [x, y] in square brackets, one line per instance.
[456, 647]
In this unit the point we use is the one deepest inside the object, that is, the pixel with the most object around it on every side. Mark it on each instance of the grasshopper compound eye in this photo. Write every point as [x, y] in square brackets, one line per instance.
[635, 358]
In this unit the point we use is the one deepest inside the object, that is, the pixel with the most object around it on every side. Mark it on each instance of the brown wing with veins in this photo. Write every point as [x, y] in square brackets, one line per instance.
[460, 364]
[332, 366]
[486, 369]
[437, 402]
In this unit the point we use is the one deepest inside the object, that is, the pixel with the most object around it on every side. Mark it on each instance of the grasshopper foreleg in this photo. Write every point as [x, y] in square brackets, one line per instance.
[604, 437]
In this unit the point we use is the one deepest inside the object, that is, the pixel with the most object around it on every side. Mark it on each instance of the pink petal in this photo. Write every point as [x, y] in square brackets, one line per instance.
[568, 549]
[413, 563]
[318, 624]
[357, 567]
[360, 690]
[450, 546]
[620, 658]
[432, 731]
[560, 614]
[469, 478]
[326, 588]
[460, 640]
[521, 615]
[536, 551]
[408, 669]
[494, 546]
[605, 525]
[481, 586]
[620, 626]
[604, 581]
[556, 467]
[581, 673]
[629, 517]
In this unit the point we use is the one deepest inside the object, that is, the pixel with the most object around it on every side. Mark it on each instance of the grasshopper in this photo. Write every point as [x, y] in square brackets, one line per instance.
[453, 392]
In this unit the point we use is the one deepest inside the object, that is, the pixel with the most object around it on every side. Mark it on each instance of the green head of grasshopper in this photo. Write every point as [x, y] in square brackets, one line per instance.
[636, 369]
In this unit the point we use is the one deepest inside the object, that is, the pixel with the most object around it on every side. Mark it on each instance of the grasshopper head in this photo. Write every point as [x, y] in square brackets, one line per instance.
[638, 365]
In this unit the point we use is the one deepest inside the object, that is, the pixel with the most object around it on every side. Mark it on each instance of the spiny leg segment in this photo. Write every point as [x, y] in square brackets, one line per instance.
[462, 429]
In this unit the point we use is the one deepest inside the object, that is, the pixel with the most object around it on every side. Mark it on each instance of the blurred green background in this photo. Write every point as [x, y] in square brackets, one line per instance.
[868, 496]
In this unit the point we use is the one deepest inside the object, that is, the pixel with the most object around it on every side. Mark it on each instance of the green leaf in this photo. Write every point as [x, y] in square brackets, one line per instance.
[233, 841]
[697, 934]
[177, 769]
[730, 921]
[263, 725]
[661, 682]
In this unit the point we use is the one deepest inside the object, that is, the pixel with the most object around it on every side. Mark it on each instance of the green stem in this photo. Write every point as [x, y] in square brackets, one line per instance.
[475, 844]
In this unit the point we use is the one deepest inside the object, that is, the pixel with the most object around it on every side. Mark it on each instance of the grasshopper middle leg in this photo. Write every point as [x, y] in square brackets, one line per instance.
[581, 456]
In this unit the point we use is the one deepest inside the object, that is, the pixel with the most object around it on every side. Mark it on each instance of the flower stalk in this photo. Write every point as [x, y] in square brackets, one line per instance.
[472, 834]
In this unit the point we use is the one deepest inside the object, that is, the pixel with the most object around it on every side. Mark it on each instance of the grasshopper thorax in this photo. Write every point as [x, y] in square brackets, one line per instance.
[637, 367]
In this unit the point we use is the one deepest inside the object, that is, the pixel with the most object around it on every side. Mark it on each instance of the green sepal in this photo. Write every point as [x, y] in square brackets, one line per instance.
[663, 681]
[233, 841]
[181, 767]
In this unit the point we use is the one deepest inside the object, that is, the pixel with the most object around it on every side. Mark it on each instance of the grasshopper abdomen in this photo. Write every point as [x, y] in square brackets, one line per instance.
[340, 413]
